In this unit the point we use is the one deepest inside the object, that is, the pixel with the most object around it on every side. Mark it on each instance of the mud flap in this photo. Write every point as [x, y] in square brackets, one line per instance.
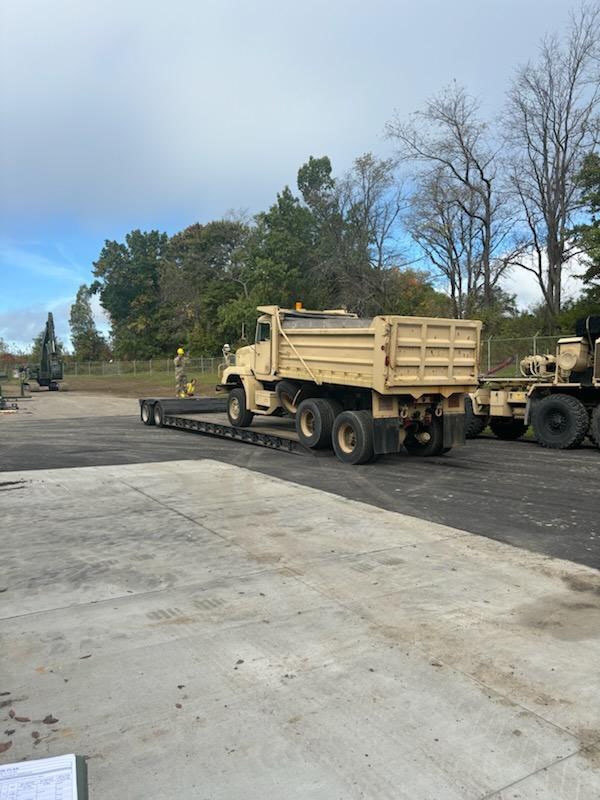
[454, 429]
[386, 435]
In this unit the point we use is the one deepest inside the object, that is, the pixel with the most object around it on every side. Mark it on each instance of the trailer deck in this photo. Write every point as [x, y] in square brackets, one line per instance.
[207, 415]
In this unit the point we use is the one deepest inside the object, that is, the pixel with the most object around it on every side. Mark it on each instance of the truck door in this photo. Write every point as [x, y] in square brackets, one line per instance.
[262, 358]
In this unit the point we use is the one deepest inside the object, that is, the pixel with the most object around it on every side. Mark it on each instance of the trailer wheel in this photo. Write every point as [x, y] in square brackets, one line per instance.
[474, 423]
[434, 446]
[146, 414]
[314, 421]
[595, 426]
[507, 429]
[238, 414]
[157, 414]
[352, 437]
[560, 422]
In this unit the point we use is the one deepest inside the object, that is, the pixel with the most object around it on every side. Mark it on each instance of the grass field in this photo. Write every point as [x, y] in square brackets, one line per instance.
[156, 383]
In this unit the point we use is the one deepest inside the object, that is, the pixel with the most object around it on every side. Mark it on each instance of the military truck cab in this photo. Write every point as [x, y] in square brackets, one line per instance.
[558, 394]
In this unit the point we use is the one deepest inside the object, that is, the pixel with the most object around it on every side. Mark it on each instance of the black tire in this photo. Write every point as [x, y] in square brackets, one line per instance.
[474, 423]
[595, 426]
[507, 428]
[157, 413]
[146, 414]
[433, 447]
[352, 437]
[287, 392]
[238, 414]
[560, 422]
[53, 386]
[314, 421]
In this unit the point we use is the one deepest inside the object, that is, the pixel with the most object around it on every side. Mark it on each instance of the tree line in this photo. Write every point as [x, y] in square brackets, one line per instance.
[433, 230]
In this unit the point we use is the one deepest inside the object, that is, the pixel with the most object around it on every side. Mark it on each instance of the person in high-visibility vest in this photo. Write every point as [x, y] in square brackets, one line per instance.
[180, 362]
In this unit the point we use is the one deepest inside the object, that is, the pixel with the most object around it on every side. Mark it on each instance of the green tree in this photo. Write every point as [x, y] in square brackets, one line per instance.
[201, 272]
[128, 282]
[88, 343]
[36, 347]
[587, 235]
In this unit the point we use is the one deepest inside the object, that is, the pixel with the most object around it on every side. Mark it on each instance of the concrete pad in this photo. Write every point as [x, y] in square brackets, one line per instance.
[71, 405]
[200, 630]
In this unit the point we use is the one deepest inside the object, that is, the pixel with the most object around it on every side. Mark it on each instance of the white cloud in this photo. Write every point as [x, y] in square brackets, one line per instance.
[527, 289]
[163, 110]
[36, 264]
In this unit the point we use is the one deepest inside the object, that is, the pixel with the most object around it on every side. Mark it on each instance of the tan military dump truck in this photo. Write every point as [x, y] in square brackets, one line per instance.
[558, 394]
[363, 386]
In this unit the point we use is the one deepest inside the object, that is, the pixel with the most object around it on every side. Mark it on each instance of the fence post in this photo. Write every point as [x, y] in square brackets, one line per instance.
[134, 367]
[89, 367]
[76, 368]
[150, 365]
[489, 354]
[535, 343]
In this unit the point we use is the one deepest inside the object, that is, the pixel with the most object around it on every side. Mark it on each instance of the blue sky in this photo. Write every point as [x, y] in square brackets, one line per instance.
[131, 114]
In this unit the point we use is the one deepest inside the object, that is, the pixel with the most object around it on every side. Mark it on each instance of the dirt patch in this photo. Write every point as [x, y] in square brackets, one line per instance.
[561, 617]
[582, 583]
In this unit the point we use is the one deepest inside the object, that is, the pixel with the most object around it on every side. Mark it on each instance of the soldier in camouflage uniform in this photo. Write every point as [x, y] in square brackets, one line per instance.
[180, 362]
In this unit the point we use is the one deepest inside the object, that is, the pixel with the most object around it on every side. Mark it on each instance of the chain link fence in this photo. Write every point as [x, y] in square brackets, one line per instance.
[499, 356]
[502, 357]
[203, 364]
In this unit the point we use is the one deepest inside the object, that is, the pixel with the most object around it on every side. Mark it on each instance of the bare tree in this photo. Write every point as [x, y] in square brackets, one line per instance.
[550, 124]
[453, 157]
[447, 236]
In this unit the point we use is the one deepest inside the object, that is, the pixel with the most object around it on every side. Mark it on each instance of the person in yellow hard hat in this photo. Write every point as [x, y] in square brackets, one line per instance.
[180, 362]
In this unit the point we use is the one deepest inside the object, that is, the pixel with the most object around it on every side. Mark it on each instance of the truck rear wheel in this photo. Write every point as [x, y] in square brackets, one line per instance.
[507, 428]
[474, 423]
[146, 414]
[238, 414]
[560, 422]
[314, 421]
[434, 446]
[352, 437]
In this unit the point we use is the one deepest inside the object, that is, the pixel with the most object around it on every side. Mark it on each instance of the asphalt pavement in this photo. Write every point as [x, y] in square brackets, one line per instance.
[514, 492]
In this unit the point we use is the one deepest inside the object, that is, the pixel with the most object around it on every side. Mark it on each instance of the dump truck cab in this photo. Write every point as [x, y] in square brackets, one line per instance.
[369, 383]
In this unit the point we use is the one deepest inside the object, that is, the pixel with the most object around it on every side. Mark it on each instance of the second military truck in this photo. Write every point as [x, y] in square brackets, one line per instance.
[363, 386]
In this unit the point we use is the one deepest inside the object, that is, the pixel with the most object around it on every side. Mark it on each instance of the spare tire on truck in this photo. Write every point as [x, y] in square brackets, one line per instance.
[434, 444]
[560, 422]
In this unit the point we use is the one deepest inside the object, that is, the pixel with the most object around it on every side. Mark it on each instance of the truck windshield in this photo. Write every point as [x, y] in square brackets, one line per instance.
[263, 331]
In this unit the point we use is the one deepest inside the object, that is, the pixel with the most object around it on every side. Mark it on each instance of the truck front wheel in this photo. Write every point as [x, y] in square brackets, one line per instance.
[314, 421]
[352, 437]
[238, 414]
[507, 428]
[560, 422]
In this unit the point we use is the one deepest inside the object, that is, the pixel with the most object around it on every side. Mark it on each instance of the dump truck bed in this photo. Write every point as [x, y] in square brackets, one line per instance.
[391, 354]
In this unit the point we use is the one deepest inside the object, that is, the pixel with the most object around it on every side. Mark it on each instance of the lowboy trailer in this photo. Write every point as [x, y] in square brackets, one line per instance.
[208, 416]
